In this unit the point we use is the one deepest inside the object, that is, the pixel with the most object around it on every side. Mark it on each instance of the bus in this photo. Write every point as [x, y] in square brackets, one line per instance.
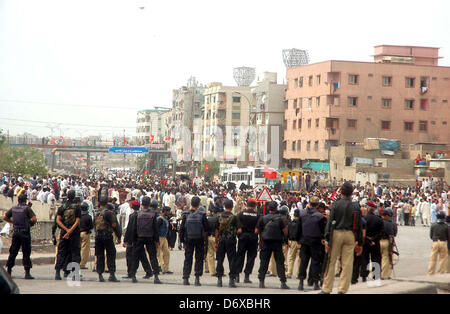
[251, 176]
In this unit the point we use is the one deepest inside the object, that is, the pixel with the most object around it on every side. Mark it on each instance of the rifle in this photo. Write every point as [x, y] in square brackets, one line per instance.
[327, 257]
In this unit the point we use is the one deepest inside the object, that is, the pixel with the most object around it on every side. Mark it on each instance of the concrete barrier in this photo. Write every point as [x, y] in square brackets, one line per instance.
[41, 210]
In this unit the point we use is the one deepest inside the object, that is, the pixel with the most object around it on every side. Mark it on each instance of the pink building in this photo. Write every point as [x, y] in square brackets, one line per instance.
[402, 95]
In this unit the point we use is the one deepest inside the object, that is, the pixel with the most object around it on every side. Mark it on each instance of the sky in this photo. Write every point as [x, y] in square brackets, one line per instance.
[85, 67]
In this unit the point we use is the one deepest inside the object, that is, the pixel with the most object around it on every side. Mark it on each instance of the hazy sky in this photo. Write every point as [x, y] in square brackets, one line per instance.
[111, 53]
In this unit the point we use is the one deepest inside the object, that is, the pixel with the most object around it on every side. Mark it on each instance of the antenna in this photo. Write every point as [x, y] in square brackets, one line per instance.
[244, 76]
[295, 57]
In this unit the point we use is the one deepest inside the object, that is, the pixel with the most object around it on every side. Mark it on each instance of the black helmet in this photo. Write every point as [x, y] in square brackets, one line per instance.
[440, 215]
[71, 195]
[284, 210]
[387, 212]
[23, 198]
[154, 203]
[84, 207]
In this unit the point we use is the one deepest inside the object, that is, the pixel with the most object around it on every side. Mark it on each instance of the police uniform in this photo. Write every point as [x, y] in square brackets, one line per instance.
[271, 228]
[248, 241]
[374, 229]
[387, 239]
[439, 234]
[21, 216]
[163, 249]
[342, 229]
[210, 250]
[226, 245]
[312, 226]
[294, 244]
[104, 220]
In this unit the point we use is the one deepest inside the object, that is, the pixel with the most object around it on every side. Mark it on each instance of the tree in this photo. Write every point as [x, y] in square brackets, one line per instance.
[213, 168]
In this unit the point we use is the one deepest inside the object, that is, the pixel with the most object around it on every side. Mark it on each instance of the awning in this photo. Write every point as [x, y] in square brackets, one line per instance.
[317, 166]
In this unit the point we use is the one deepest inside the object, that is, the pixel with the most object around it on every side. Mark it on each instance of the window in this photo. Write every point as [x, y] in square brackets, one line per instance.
[433, 122]
[295, 103]
[309, 103]
[352, 101]
[410, 82]
[236, 99]
[387, 80]
[370, 74]
[308, 146]
[318, 79]
[409, 126]
[444, 122]
[296, 83]
[294, 124]
[353, 79]
[316, 146]
[317, 123]
[385, 125]
[293, 145]
[386, 103]
[301, 82]
[424, 104]
[236, 115]
[409, 104]
[284, 145]
[423, 126]
[310, 80]
[300, 102]
[285, 124]
[299, 124]
[351, 123]
[299, 145]
[309, 123]
[318, 101]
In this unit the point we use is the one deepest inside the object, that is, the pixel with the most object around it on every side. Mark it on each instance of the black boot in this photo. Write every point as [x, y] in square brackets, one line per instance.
[126, 277]
[100, 278]
[316, 285]
[66, 273]
[133, 279]
[197, 281]
[9, 270]
[58, 275]
[261, 284]
[364, 279]
[219, 282]
[112, 277]
[237, 278]
[28, 275]
[300, 285]
[148, 275]
[186, 282]
[247, 278]
[157, 281]
[232, 284]
[284, 285]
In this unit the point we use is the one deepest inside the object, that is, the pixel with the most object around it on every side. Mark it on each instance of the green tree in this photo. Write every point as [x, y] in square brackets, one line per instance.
[141, 162]
[213, 168]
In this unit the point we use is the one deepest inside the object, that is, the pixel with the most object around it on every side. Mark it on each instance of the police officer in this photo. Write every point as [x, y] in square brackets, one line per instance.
[127, 242]
[225, 243]
[86, 225]
[371, 247]
[272, 228]
[193, 233]
[386, 243]
[68, 219]
[294, 243]
[439, 234]
[22, 219]
[248, 239]
[342, 232]
[211, 242]
[105, 223]
[145, 234]
[312, 227]
[163, 249]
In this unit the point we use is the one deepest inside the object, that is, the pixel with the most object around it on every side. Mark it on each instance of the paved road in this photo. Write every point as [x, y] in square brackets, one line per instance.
[413, 243]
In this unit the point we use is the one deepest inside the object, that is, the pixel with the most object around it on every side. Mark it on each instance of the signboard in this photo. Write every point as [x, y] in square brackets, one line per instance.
[264, 196]
[128, 150]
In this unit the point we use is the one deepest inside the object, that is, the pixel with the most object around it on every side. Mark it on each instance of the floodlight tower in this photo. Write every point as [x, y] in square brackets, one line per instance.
[295, 57]
[244, 76]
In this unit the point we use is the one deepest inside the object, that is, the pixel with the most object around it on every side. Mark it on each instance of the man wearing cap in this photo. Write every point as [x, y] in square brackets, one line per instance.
[294, 243]
[86, 225]
[439, 234]
[371, 247]
[387, 240]
[344, 231]
[311, 231]
[248, 240]
[163, 249]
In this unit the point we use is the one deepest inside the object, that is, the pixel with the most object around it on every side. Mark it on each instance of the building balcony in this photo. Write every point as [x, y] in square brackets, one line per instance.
[333, 133]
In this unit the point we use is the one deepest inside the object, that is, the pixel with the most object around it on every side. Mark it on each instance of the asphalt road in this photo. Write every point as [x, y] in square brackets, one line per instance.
[413, 243]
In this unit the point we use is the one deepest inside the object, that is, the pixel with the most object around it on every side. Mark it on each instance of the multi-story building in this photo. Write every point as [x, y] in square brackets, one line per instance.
[402, 95]
[152, 125]
[225, 118]
[267, 117]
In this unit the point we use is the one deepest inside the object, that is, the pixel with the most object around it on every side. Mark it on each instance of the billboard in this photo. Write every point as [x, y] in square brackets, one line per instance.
[128, 150]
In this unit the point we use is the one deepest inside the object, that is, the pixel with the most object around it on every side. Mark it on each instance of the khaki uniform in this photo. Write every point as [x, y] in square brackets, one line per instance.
[85, 248]
[438, 249]
[294, 249]
[386, 267]
[209, 260]
[163, 254]
[273, 264]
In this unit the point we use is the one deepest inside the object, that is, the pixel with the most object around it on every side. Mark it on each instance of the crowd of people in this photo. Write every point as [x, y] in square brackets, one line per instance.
[349, 224]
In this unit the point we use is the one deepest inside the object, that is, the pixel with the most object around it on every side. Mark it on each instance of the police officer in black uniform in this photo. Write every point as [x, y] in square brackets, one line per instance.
[386, 243]
[272, 229]
[312, 230]
[128, 244]
[145, 234]
[193, 233]
[371, 247]
[226, 243]
[248, 239]
[105, 224]
[68, 219]
[22, 219]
